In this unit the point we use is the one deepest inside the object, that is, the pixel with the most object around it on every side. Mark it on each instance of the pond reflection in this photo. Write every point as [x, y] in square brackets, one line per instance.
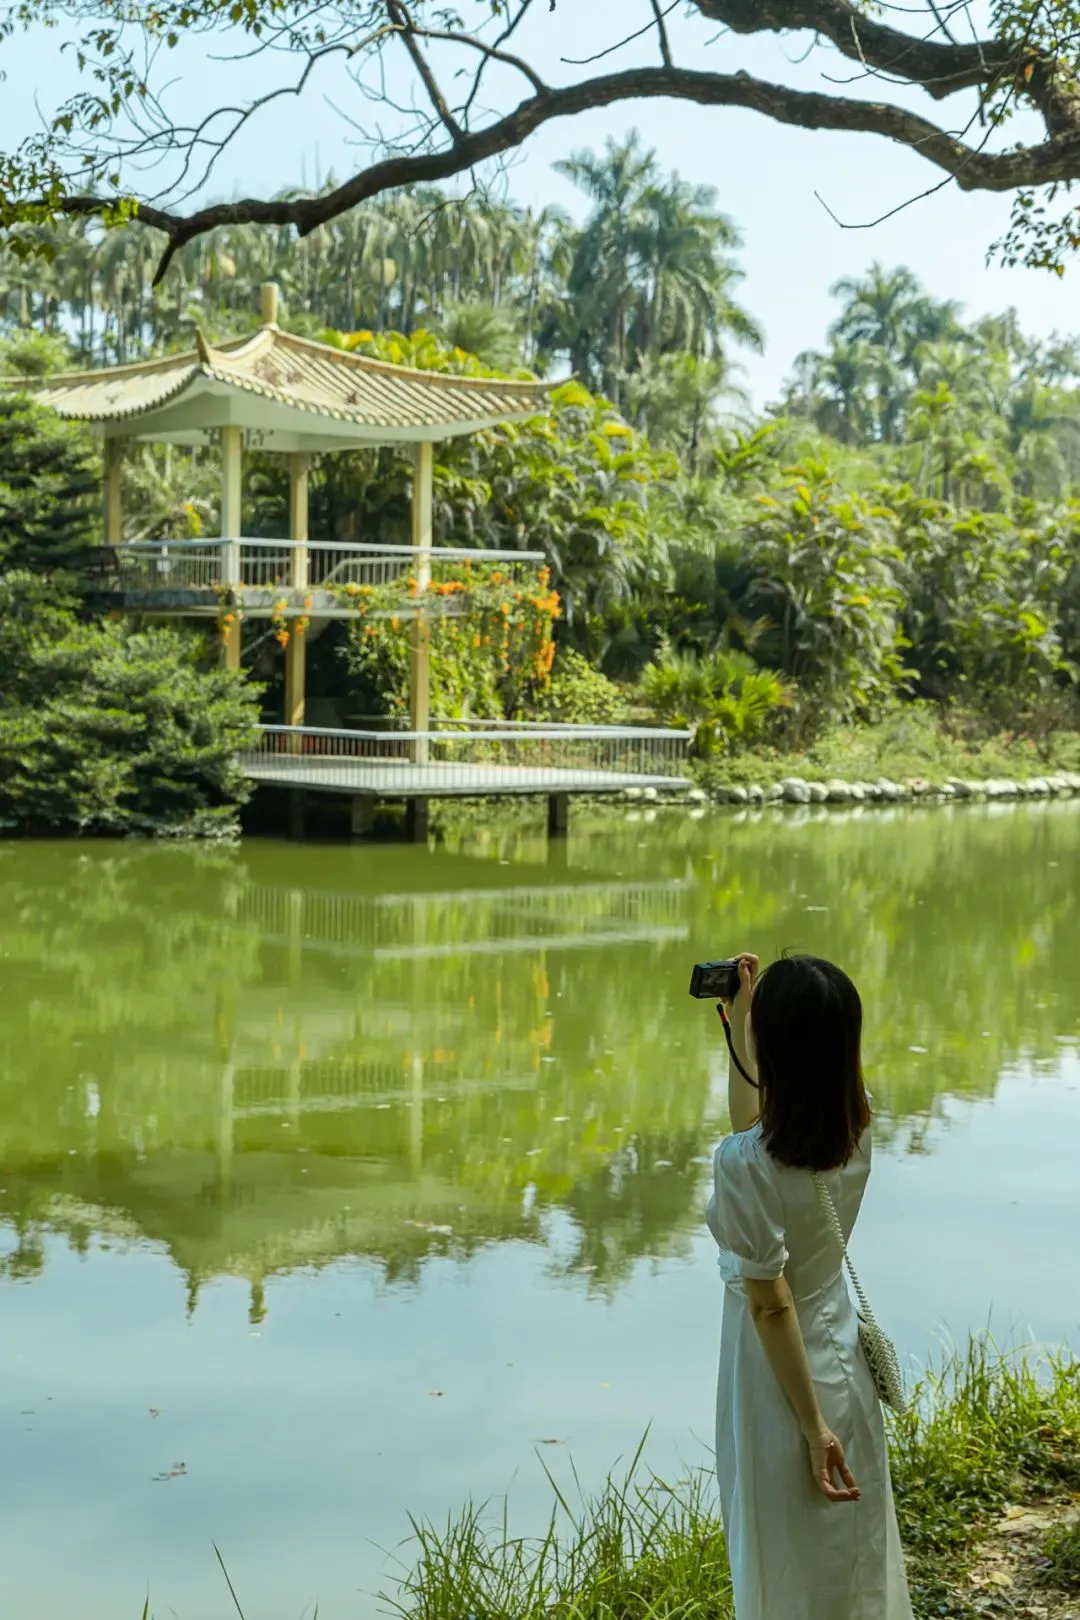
[280, 1056]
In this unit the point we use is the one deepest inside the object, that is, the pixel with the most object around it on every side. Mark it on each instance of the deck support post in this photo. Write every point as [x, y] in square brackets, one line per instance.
[296, 647]
[558, 815]
[297, 812]
[419, 633]
[416, 821]
[114, 506]
[362, 815]
[232, 486]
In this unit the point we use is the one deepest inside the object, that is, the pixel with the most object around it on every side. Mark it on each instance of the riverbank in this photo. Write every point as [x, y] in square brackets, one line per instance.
[910, 754]
[986, 1477]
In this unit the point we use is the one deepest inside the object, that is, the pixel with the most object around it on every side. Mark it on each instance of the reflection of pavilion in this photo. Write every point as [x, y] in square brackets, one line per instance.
[349, 1102]
[563, 916]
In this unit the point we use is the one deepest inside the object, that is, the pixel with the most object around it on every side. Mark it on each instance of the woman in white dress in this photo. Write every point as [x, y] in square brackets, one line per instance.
[801, 1458]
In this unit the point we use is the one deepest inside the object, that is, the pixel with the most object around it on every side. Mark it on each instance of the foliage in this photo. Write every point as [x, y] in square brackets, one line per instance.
[723, 697]
[50, 487]
[826, 574]
[108, 730]
[966, 412]
[982, 1431]
[647, 275]
[577, 485]
[491, 642]
[577, 694]
[1061, 1556]
[30, 355]
[911, 740]
[984, 599]
[908, 523]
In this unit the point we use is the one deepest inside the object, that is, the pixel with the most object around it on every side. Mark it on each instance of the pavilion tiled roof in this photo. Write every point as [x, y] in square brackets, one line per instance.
[296, 372]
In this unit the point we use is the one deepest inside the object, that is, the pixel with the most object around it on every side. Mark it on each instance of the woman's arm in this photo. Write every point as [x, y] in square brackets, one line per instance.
[742, 1099]
[743, 1105]
[773, 1313]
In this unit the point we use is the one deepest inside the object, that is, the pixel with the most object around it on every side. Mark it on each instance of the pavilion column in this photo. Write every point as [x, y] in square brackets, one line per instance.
[296, 649]
[420, 639]
[114, 507]
[232, 489]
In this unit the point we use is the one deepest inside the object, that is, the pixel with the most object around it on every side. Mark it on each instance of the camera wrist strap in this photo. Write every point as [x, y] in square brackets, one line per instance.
[731, 1048]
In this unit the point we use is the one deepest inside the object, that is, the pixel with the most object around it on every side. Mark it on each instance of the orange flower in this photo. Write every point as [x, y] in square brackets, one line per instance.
[394, 622]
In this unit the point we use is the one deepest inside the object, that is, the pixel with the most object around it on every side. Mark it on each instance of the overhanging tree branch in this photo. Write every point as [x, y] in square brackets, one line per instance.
[1025, 65]
[971, 169]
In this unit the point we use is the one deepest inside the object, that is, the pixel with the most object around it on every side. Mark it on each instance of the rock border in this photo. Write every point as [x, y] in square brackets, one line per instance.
[801, 790]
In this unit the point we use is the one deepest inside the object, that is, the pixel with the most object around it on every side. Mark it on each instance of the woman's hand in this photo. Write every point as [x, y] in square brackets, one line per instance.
[738, 1008]
[827, 1459]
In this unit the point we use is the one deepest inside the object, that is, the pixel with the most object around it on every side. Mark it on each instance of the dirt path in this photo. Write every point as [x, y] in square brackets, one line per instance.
[1004, 1578]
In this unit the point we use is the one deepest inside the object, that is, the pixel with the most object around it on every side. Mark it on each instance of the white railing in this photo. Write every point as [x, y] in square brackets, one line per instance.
[319, 565]
[169, 565]
[512, 758]
[387, 926]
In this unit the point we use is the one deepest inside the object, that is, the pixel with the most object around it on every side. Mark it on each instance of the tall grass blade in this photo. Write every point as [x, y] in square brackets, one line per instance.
[225, 1572]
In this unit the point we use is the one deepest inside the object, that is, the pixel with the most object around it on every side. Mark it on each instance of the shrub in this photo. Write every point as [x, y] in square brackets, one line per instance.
[50, 496]
[578, 694]
[108, 730]
[723, 698]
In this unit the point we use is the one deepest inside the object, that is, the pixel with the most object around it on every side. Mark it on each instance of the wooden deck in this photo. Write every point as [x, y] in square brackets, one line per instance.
[398, 779]
[487, 761]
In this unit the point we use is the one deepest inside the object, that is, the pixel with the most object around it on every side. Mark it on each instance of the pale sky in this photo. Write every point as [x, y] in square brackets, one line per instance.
[765, 174]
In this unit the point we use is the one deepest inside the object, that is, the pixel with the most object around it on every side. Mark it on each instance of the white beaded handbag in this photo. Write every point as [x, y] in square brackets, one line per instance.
[879, 1350]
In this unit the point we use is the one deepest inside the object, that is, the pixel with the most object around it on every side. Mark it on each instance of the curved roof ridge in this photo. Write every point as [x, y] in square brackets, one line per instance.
[98, 374]
[368, 362]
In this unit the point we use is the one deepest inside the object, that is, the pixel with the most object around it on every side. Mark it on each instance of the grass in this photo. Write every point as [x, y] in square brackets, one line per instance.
[986, 1433]
[1060, 1564]
[911, 741]
[633, 1551]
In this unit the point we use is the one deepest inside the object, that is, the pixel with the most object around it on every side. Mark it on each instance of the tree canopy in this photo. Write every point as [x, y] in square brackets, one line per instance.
[478, 90]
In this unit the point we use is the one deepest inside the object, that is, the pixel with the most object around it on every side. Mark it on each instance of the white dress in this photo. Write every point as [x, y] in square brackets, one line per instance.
[795, 1555]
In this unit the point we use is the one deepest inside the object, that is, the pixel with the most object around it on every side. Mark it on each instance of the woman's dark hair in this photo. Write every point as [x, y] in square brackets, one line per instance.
[806, 1019]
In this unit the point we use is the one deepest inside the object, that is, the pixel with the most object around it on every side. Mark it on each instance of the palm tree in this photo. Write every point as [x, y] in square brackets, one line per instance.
[890, 311]
[837, 389]
[648, 274]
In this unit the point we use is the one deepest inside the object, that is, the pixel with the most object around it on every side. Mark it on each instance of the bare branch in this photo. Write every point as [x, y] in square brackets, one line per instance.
[406, 30]
[869, 224]
[627, 39]
[491, 52]
[661, 29]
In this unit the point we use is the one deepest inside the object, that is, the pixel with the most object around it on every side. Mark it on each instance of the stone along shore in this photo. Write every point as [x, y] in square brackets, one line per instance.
[801, 790]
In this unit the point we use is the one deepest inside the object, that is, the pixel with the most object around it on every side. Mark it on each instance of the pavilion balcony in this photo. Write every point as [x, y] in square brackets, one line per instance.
[469, 759]
[320, 579]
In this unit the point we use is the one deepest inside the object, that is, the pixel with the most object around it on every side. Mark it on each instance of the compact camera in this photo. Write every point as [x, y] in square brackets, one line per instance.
[715, 981]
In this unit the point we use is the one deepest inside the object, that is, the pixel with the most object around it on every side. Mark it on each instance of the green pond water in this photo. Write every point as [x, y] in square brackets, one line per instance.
[342, 1183]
